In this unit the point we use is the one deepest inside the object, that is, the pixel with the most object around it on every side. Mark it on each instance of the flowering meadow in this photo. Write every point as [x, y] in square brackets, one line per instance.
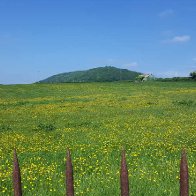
[152, 121]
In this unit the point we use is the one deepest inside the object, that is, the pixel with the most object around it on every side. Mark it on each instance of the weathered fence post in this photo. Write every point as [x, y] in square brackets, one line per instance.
[124, 178]
[69, 175]
[16, 177]
[184, 177]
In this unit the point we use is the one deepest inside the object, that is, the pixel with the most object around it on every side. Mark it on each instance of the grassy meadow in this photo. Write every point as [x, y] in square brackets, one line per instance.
[152, 121]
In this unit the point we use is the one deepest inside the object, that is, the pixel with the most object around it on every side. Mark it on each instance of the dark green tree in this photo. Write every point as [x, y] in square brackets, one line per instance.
[193, 75]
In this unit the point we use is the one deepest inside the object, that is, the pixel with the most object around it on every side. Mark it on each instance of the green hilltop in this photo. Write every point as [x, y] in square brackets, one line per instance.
[100, 74]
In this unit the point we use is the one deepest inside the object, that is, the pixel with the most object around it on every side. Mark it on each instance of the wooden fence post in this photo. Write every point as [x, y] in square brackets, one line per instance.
[124, 178]
[69, 175]
[184, 177]
[16, 177]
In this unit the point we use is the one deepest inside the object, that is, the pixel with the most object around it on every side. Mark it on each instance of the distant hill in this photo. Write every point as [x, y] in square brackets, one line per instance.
[100, 74]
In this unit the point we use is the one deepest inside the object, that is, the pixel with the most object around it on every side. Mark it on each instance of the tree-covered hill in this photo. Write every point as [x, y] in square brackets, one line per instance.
[100, 74]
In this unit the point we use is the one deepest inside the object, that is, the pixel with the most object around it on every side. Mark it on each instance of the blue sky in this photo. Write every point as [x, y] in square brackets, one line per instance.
[40, 38]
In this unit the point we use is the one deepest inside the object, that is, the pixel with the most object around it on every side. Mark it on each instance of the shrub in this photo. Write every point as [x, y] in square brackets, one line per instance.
[46, 127]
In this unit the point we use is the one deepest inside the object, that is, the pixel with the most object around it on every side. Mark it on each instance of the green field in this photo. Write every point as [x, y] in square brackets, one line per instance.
[152, 121]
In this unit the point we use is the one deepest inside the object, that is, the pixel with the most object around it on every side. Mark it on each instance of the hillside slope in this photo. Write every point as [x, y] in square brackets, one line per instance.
[100, 74]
